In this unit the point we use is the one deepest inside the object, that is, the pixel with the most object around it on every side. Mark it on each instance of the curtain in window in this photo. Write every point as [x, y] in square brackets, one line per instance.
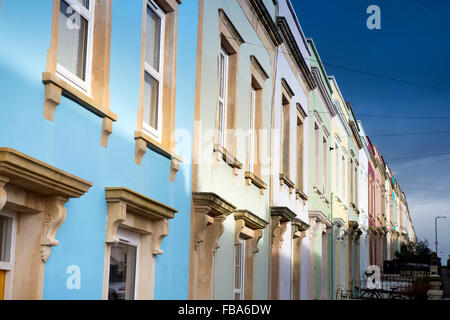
[72, 40]
[151, 94]
[153, 39]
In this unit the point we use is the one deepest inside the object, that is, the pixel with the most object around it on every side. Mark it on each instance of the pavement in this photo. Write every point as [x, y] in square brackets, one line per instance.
[445, 275]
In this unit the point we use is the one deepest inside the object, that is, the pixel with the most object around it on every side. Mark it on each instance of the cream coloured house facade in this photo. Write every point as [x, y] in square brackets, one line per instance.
[230, 235]
[290, 154]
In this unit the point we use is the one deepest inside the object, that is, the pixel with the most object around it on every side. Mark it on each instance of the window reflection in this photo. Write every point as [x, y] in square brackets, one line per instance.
[122, 272]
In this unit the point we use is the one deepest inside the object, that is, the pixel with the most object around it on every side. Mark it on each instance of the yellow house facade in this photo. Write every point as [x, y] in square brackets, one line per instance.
[339, 177]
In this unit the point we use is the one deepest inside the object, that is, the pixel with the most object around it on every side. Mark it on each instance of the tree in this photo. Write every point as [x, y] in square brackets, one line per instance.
[415, 252]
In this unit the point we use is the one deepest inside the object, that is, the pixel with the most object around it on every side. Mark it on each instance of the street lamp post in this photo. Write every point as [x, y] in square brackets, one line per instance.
[435, 231]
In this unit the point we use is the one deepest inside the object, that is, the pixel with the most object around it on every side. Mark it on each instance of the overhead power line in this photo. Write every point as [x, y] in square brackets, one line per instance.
[408, 133]
[422, 164]
[431, 11]
[418, 156]
[376, 75]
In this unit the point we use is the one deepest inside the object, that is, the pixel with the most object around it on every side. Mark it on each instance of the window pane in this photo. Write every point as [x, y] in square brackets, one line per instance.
[122, 271]
[72, 40]
[221, 121]
[153, 39]
[252, 128]
[5, 238]
[151, 97]
[221, 76]
[85, 3]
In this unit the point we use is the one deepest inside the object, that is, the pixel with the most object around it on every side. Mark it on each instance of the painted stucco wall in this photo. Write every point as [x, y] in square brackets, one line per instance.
[319, 109]
[341, 130]
[72, 142]
[320, 115]
[281, 195]
[339, 173]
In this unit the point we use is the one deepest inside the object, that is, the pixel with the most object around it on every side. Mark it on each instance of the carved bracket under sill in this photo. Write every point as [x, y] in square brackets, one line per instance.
[55, 214]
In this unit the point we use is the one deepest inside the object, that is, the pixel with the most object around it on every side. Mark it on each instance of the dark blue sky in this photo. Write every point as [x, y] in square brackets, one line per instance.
[412, 45]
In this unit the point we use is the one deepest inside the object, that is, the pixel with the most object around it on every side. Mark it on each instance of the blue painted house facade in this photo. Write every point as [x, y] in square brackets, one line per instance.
[96, 122]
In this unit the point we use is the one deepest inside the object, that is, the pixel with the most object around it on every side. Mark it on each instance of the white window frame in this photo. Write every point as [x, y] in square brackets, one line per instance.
[63, 72]
[239, 291]
[9, 266]
[251, 157]
[317, 155]
[344, 167]
[325, 164]
[158, 76]
[223, 111]
[336, 167]
[131, 238]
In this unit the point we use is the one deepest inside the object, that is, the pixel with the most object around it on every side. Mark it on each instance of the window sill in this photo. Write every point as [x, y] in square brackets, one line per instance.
[285, 180]
[56, 87]
[227, 156]
[317, 190]
[252, 178]
[144, 141]
[301, 194]
[77, 95]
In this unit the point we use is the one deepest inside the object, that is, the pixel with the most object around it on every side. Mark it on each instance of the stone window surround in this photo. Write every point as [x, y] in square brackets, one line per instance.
[133, 211]
[36, 192]
[143, 140]
[258, 77]
[285, 166]
[248, 227]
[229, 39]
[98, 102]
[301, 117]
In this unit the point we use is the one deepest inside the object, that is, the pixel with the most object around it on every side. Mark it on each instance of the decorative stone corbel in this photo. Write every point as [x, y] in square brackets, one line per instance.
[276, 222]
[106, 131]
[257, 237]
[55, 214]
[52, 99]
[141, 149]
[282, 231]
[343, 233]
[159, 232]
[117, 212]
[201, 222]
[3, 182]
[217, 229]
[174, 166]
[239, 225]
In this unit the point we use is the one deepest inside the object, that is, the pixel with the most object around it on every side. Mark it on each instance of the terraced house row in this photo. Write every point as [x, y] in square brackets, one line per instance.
[168, 149]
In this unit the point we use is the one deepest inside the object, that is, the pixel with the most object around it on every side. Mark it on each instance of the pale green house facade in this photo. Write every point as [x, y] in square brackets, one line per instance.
[320, 188]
